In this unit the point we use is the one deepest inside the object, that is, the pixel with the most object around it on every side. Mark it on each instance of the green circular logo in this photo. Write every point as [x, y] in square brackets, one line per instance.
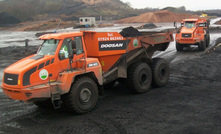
[43, 74]
[135, 43]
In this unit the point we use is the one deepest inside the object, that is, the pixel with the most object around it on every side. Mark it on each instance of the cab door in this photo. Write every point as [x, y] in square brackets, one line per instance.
[64, 53]
[79, 57]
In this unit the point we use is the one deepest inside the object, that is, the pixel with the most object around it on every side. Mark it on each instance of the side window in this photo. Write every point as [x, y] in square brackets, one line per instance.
[79, 45]
[63, 53]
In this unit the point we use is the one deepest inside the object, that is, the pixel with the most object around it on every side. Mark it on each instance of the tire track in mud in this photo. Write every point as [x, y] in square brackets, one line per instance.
[108, 125]
[11, 109]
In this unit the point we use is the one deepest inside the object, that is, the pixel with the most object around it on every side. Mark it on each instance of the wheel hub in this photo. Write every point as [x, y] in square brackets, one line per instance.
[143, 79]
[85, 95]
[163, 72]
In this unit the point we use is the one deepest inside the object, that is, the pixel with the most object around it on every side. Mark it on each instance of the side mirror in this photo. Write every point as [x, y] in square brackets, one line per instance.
[72, 47]
[175, 24]
[74, 51]
[182, 24]
[73, 42]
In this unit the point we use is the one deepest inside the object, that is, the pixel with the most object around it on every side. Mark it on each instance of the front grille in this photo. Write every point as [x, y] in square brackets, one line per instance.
[11, 79]
[186, 35]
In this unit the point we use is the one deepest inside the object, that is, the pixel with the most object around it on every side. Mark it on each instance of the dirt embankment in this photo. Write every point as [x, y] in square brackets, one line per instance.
[40, 25]
[218, 22]
[157, 17]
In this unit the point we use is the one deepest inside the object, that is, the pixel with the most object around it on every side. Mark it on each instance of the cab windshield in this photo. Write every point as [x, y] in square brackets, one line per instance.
[190, 24]
[48, 47]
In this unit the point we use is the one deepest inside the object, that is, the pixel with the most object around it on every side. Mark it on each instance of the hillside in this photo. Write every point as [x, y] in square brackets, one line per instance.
[40, 9]
[156, 17]
[218, 22]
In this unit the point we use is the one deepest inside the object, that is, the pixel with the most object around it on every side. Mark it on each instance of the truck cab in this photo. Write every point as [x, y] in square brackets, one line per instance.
[51, 71]
[193, 32]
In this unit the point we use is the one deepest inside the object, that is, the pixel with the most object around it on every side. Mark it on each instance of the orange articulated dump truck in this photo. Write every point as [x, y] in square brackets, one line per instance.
[193, 32]
[70, 69]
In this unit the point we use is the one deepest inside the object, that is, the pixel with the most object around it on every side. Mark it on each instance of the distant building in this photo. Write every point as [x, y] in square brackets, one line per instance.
[90, 21]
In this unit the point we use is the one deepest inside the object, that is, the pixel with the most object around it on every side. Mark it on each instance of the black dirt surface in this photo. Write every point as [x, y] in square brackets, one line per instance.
[189, 104]
[130, 32]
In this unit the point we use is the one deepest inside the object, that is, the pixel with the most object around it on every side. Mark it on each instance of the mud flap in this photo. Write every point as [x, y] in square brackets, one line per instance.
[122, 68]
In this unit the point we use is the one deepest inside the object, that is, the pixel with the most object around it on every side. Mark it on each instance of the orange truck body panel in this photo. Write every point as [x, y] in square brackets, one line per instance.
[193, 35]
[97, 59]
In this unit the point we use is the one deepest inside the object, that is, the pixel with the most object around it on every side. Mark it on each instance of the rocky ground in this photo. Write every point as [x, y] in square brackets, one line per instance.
[190, 103]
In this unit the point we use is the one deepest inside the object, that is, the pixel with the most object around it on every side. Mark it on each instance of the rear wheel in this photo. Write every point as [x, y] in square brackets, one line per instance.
[179, 47]
[161, 72]
[82, 97]
[139, 78]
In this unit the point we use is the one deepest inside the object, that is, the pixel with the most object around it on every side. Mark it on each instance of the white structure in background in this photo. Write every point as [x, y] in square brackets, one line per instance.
[90, 21]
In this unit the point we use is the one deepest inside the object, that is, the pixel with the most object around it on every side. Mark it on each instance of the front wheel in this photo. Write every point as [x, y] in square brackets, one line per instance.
[82, 97]
[202, 46]
[179, 47]
[207, 39]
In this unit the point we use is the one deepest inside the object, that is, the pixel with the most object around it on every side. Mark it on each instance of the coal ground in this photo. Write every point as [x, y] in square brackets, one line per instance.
[189, 104]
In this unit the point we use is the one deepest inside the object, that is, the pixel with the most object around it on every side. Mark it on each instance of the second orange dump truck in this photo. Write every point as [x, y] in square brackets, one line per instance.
[70, 69]
[193, 32]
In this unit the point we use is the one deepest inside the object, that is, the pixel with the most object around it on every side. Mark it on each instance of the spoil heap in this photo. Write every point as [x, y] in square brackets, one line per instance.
[218, 22]
[156, 17]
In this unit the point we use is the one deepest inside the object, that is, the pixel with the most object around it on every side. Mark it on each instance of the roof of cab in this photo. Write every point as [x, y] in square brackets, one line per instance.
[190, 19]
[60, 35]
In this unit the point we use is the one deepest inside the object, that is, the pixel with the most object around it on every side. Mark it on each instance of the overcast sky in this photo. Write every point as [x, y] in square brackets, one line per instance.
[189, 4]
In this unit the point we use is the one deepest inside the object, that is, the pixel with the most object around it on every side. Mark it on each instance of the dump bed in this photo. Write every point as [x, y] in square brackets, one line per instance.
[108, 47]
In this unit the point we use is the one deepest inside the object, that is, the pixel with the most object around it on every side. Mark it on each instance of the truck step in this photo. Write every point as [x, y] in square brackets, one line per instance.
[56, 100]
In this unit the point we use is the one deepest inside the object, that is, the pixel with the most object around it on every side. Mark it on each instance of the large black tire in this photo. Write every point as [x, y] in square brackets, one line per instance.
[202, 45]
[139, 78]
[179, 47]
[82, 97]
[207, 39]
[161, 72]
